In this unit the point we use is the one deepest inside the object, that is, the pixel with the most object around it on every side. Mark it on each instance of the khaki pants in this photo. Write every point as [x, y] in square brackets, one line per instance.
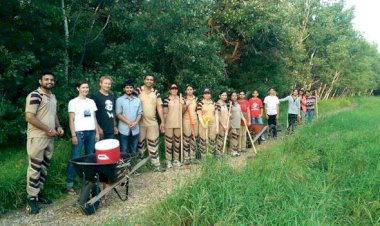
[190, 134]
[220, 139]
[40, 151]
[207, 143]
[148, 137]
[234, 139]
[172, 143]
[242, 138]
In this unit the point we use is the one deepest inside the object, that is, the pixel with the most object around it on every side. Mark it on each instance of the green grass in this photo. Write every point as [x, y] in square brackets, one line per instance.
[327, 173]
[13, 165]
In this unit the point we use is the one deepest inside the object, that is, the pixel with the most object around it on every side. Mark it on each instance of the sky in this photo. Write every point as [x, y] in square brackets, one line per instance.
[367, 16]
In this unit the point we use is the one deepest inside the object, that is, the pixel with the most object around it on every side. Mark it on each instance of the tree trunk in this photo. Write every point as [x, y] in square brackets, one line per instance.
[66, 28]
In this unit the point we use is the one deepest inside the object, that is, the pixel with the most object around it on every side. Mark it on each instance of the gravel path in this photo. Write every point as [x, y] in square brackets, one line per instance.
[145, 190]
[66, 212]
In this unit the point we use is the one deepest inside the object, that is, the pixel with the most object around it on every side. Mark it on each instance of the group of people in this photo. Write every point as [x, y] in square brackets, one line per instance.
[193, 127]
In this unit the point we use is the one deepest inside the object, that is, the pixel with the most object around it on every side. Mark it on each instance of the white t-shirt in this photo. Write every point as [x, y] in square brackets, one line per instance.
[271, 103]
[84, 113]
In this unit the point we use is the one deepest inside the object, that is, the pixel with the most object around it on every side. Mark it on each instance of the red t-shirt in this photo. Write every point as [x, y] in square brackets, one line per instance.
[256, 105]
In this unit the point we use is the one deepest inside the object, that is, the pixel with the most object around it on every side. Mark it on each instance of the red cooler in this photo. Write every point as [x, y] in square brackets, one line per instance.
[107, 151]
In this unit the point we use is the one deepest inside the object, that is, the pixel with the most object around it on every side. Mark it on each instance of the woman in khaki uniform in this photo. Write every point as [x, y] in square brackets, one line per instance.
[172, 115]
[208, 122]
[190, 125]
[223, 120]
[235, 117]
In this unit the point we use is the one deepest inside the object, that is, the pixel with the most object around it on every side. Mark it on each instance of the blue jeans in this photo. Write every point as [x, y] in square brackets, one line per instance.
[256, 120]
[309, 115]
[128, 144]
[86, 138]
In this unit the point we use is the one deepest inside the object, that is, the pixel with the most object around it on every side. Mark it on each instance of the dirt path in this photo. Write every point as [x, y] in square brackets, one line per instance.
[145, 190]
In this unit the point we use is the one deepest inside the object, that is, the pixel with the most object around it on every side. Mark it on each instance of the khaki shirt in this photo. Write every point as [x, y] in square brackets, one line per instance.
[150, 99]
[223, 114]
[235, 116]
[172, 113]
[190, 114]
[44, 107]
[207, 109]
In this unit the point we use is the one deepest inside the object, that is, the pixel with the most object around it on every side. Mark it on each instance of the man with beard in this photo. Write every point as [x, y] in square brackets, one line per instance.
[151, 103]
[43, 126]
[129, 112]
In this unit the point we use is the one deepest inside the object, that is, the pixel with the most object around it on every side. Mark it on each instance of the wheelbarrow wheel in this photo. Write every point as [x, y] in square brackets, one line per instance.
[89, 191]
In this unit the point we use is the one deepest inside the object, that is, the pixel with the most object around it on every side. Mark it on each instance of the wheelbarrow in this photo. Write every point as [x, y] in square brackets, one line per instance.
[256, 130]
[92, 174]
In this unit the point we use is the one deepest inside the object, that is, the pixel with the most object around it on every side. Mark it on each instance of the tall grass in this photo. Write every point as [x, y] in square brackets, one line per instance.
[13, 165]
[326, 173]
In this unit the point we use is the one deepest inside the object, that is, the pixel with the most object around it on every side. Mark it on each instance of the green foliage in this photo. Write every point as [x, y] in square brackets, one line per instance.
[326, 173]
[221, 44]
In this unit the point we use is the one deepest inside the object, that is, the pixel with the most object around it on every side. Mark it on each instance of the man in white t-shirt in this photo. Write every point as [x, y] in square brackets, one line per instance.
[272, 111]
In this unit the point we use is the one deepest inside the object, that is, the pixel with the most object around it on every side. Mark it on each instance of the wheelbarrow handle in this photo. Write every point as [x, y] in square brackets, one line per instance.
[109, 188]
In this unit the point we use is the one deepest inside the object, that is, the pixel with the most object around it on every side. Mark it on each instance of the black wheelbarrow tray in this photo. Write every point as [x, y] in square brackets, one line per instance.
[92, 174]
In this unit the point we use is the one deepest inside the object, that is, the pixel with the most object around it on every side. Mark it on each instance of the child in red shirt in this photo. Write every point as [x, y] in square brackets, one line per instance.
[256, 107]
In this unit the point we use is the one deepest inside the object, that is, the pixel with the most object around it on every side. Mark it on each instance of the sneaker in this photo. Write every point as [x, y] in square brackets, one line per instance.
[158, 169]
[176, 163]
[235, 154]
[136, 173]
[187, 162]
[169, 164]
[262, 138]
[43, 199]
[70, 191]
[31, 206]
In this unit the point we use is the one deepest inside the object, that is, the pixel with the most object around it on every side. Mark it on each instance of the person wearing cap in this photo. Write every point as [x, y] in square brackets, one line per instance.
[222, 111]
[244, 105]
[129, 113]
[172, 114]
[208, 122]
[302, 97]
[190, 125]
[43, 126]
[235, 118]
[151, 104]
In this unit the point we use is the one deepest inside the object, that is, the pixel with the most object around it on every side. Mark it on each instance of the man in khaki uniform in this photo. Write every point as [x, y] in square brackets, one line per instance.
[190, 125]
[172, 114]
[149, 132]
[208, 121]
[43, 125]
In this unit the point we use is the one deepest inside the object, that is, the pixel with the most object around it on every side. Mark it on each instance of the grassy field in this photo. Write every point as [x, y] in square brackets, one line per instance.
[13, 165]
[327, 173]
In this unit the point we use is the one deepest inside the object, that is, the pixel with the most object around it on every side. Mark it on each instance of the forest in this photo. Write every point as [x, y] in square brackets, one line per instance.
[221, 44]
